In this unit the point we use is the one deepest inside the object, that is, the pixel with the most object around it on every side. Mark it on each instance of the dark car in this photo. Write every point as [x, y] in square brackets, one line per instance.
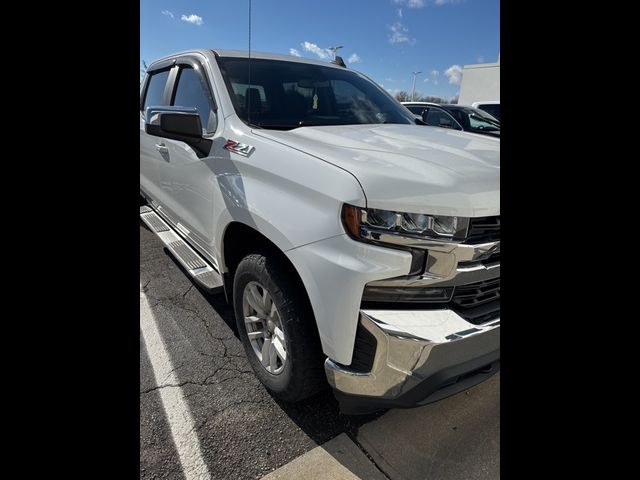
[457, 117]
[492, 108]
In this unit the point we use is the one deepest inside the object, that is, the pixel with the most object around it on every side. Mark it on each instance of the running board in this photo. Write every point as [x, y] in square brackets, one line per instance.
[197, 267]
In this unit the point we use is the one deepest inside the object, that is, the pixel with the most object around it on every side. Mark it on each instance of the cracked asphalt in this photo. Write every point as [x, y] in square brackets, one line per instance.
[244, 433]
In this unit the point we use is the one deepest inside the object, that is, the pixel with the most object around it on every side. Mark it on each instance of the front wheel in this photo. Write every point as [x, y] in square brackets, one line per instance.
[277, 328]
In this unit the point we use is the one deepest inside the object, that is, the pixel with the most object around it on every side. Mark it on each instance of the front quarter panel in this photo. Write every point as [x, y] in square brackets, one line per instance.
[289, 196]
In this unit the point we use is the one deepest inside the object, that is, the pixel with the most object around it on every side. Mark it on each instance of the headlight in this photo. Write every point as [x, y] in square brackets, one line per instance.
[364, 223]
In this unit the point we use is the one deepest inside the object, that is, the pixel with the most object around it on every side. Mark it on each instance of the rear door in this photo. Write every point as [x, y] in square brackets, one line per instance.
[154, 92]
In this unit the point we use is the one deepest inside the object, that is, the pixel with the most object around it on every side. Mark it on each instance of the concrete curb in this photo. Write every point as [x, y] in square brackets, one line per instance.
[338, 459]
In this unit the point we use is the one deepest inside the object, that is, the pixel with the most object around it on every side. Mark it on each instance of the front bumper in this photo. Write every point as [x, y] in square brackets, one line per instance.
[420, 356]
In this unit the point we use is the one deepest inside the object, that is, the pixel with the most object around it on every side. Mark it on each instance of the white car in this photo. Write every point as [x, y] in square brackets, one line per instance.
[356, 247]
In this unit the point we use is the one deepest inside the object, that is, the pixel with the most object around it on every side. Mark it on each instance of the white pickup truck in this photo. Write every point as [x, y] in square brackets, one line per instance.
[356, 247]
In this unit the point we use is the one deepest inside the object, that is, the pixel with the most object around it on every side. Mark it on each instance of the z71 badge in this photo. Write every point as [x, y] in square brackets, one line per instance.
[239, 148]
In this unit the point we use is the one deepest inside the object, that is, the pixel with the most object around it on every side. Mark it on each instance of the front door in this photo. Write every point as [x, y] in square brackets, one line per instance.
[152, 153]
[188, 181]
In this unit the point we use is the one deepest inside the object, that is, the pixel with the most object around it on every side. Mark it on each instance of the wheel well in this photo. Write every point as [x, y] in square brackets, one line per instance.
[239, 241]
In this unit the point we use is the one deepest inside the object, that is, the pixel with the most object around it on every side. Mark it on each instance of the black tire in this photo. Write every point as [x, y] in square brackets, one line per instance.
[303, 373]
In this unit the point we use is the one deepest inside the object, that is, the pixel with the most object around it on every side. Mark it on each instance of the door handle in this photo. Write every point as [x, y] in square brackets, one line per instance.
[162, 148]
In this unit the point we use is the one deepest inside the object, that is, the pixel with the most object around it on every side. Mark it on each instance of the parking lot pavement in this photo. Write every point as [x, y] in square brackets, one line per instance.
[203, 414]
[456, 438]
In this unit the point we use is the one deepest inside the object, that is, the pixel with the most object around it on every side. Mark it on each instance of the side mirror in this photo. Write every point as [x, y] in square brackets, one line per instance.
[177, 123]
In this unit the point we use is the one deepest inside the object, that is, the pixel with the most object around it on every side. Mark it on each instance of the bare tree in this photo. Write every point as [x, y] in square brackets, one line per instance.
[403, 96]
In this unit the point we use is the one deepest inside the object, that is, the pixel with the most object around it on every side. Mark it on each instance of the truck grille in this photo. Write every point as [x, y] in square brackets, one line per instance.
[478, 302]
[478, 293]
[483, 229]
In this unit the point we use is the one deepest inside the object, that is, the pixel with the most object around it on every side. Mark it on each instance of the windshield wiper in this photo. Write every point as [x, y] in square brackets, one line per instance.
[278, 126]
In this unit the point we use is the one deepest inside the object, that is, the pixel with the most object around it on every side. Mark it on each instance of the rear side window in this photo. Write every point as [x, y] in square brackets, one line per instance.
[155, 89]
[191, 92]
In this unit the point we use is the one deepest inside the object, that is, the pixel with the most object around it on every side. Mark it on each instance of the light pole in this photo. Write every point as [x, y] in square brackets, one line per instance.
[413, 89]
[335, 50]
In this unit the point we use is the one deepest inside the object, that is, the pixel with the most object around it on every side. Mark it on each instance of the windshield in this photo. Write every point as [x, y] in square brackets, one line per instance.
[286, 95]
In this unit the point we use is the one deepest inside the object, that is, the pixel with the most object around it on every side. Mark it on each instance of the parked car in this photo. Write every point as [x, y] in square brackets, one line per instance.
[457, 117]
[356, 247]
[492, 108]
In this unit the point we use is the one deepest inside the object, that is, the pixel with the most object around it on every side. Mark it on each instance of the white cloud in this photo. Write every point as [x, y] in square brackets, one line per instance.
[322, 53]
[400, 12]
[399, 34]
[434, 76]
[167, 13]
[411, 3]
[444, 2]
[388, 79]
[354, 58]
[294, 52]
[426, 79]
[193, 18]
[454, 74]
[480, 59]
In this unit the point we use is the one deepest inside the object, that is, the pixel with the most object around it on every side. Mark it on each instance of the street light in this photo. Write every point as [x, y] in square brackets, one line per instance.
[413, 89]
[334, 50]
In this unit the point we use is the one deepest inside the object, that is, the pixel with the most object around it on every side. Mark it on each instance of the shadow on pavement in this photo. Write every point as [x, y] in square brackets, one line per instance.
[319, 416]
[452, 437]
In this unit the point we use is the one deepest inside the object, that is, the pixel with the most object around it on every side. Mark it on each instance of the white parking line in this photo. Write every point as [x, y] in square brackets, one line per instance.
[176, 409]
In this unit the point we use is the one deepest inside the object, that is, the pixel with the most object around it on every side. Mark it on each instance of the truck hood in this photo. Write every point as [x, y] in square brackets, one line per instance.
[409, 168]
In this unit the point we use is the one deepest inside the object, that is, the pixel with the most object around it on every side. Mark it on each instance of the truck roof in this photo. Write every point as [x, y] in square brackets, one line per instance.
[245, 54]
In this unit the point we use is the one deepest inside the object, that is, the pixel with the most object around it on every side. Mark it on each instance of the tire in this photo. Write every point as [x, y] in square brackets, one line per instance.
[301, 374]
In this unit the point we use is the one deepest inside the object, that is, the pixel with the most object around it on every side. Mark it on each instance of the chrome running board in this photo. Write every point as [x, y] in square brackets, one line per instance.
[197, 267]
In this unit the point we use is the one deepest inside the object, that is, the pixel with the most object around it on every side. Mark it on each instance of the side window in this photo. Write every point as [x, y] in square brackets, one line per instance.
[439, 118]
[155, 90]
[416, 110]
[190, 92]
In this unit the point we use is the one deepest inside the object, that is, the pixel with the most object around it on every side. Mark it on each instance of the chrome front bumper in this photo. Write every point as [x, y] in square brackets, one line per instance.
[421, 356]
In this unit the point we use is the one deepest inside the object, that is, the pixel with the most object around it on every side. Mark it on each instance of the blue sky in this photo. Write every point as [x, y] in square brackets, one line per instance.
[384, 39]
